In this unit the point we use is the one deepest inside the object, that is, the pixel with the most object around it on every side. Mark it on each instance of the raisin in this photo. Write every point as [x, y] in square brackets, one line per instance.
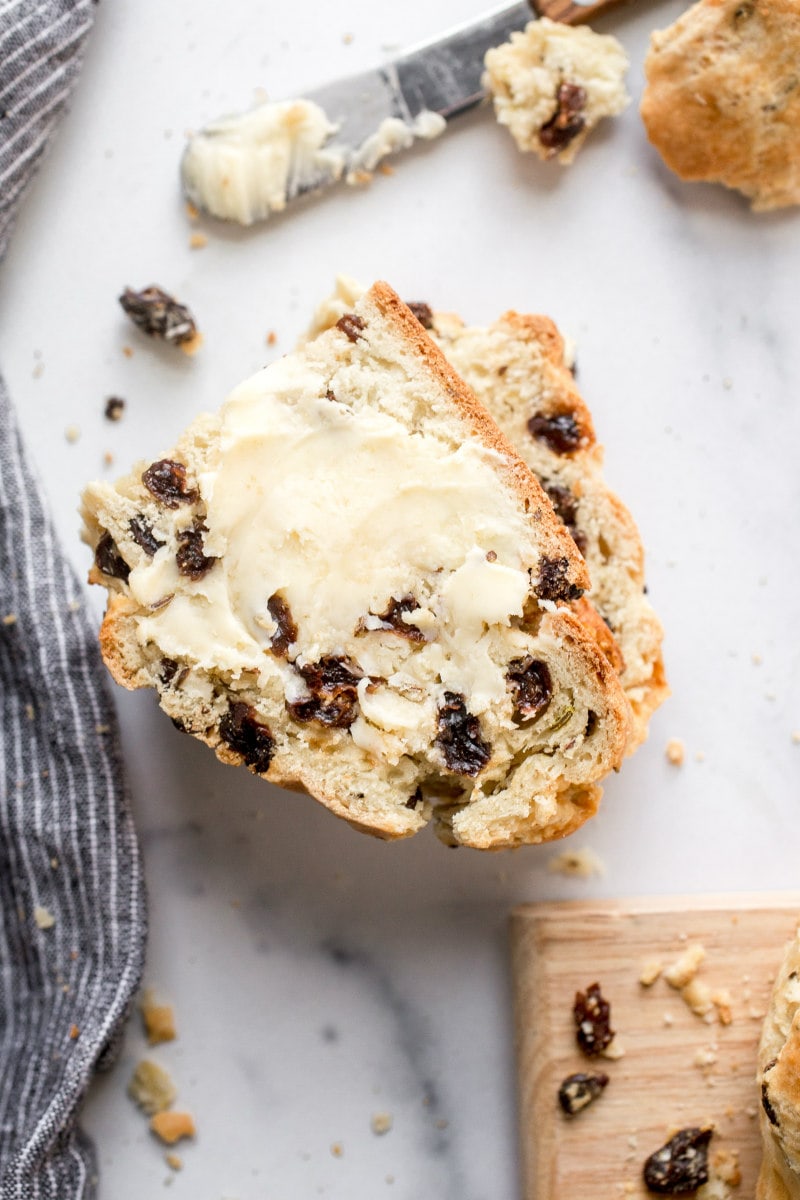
[191, 559]
[423, 312]
[114, 408]
[459, 739]
[566, 507]
[142, 534]
[109, 560]
[286, 632]
[561, 433]
[766, 1103]
[567, 121]
[243, 732]
[351, 326]
[578, 1091]
[329, 395]
[334, 698]
[159, 315]
[680, 1166]
[416, 798]
[591, 723]
[553, 583]
[166, 480]
[532, 685]
[172, 673]
[592, 1015]
[392, 619]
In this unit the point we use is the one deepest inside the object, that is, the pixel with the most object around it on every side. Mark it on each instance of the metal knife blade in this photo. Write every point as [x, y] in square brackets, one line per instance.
[245, 168]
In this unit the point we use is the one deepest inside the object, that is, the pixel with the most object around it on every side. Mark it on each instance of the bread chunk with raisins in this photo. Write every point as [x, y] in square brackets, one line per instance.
[348, 581]
[722, 101]
[518, 369]
[779, 1080]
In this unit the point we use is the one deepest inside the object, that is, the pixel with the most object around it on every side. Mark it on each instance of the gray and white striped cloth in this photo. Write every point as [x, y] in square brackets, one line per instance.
[72, 917]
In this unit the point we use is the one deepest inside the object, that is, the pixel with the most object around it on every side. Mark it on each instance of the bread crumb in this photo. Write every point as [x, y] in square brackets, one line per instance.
[192, 211]
[337, 1149]
[684, 969]
[347, 38]
[170, 1127]
[127, 351]
[74, 1033]
[159, 1020]
[613, 1050]
[174, 1161]
[700, 756]
[192, 344]
[796, 737]
[676, 752]
[726, 1164]
[705, 1056]
[360, 178]
[697, 996]
[115, 407]
[578, 864]
[151, 1087]
[38, 371]
[72, 433]
[108, 458]
[197, 241]
[272, 337]
[10, 619]
[381, 1122]
[723, 1002]
[43, 917]
[669, 1020]
[649, 971]
[386, 168]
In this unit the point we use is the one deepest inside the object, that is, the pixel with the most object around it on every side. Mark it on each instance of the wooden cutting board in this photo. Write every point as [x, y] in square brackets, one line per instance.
[658, 1085]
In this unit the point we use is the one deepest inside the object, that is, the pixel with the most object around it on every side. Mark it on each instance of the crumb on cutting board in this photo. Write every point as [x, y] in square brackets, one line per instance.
[649, 971]
[684, 969]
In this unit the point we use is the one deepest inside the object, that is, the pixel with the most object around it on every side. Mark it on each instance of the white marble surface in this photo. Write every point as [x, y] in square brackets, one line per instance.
[319, 976]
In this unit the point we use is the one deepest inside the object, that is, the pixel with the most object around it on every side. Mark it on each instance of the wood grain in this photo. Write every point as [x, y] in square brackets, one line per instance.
[657, 1087]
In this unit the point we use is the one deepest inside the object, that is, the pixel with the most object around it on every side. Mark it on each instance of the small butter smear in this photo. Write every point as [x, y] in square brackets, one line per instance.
[482, 593]
[578, 864]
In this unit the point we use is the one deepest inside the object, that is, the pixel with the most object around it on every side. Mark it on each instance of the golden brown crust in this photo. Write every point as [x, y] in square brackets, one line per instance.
[722, 101]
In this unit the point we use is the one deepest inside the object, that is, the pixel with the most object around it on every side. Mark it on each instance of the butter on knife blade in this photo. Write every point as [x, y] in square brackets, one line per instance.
[244, 168]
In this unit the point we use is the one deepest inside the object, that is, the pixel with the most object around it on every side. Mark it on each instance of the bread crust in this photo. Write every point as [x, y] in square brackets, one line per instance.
[722, 101]
[779, 1081]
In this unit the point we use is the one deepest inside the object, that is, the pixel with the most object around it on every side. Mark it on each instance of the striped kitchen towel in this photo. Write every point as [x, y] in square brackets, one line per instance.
[72, 916]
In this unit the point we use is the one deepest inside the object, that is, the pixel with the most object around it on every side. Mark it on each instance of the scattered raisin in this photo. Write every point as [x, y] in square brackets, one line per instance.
[109, 560]
[578, 1091]
[329, 395]
[333, 685]
[191, 559]
[592, 1015]
[566, 507]
[459, 739]
[351, 326]
[553, 583]
[286, 633]
[681, 1166]
[561, 433]
[114, 409]
[392, 619]
[166, 480]
[567, 121]
[529, 679]
[159, 315]
[169, 669]
[423, 312]
[142, 534]
[243, 732]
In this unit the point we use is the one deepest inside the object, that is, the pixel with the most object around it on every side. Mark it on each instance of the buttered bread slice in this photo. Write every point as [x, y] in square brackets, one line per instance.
[517, 369]
[348, 581]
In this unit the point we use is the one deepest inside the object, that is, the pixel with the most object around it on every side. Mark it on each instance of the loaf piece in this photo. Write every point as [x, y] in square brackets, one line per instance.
[722, 101]
[348, 581]
[779, 1080]
[552, 83]
[516, 367]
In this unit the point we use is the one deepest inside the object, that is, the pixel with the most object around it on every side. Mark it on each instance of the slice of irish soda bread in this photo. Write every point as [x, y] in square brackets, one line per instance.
[516, 367]
[348, 581]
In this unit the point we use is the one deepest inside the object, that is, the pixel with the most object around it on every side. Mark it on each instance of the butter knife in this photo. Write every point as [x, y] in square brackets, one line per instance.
[245, 167]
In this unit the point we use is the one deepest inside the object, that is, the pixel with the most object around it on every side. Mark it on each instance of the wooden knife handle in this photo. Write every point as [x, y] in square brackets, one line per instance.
[567, 11]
